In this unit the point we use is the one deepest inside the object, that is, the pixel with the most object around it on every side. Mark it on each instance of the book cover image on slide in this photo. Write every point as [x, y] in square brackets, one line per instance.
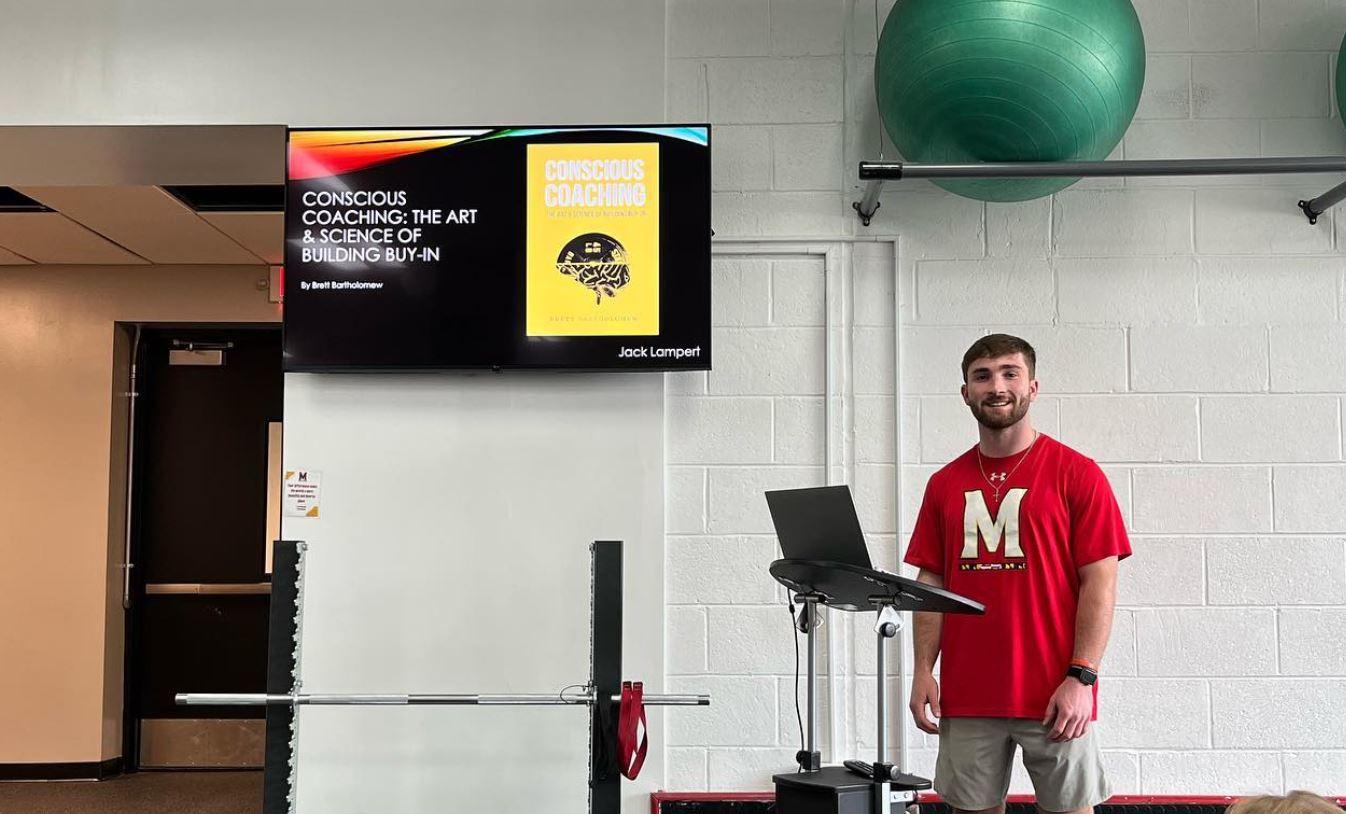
[593, 240]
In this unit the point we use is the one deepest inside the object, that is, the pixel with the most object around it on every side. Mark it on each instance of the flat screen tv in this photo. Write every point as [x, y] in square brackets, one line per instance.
[498, 247]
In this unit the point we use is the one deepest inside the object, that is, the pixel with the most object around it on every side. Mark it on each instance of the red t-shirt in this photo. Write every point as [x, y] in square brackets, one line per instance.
[1019, 556]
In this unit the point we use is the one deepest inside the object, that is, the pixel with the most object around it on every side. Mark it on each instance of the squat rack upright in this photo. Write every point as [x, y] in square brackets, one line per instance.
[874, 173]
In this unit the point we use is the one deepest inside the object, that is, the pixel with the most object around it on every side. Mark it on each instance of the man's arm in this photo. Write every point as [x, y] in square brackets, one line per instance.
[1093, 619]
[1072, 705]
[925, 640]
[927, 628]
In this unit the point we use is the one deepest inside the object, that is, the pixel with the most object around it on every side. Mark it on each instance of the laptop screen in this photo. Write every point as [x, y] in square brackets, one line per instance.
[818, 524]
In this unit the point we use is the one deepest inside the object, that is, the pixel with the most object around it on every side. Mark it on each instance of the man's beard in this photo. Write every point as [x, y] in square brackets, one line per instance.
[998, 419]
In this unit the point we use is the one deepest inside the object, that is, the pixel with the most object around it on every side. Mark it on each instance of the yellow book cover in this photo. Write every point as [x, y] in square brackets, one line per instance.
[593, 240]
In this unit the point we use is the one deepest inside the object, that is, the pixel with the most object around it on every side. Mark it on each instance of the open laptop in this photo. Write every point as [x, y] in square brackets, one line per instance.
[818, 524]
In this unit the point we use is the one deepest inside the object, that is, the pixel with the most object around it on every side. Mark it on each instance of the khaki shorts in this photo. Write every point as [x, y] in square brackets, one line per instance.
[975, 757]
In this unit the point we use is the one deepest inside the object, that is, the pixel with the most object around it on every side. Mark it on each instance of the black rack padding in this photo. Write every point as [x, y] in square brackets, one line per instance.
[280, 668]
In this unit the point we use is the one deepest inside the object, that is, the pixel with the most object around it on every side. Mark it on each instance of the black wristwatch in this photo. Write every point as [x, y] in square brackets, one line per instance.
[1082, 674]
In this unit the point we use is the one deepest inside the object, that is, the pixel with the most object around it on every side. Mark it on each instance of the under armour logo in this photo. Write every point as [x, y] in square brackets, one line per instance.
[998, 476]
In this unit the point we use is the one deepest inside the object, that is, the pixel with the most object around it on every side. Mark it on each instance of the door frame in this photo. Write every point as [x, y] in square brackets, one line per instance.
[132, 669]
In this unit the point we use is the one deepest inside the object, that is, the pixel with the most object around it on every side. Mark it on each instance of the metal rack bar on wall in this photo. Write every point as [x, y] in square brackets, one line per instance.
[874, 173]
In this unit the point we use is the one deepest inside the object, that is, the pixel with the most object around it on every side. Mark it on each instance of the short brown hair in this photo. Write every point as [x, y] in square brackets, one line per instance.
[993, 346]
[1296, 802]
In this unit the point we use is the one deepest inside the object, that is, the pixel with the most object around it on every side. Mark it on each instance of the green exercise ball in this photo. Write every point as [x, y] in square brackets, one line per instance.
[1341, 80]
[965, 81]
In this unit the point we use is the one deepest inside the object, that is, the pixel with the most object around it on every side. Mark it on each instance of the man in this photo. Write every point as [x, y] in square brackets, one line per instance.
[1031, 529]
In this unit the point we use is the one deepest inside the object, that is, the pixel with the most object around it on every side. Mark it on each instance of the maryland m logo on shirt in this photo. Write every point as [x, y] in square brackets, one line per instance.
[999, 534]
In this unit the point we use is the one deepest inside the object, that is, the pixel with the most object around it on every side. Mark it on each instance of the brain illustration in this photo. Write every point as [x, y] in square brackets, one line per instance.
[597, 262]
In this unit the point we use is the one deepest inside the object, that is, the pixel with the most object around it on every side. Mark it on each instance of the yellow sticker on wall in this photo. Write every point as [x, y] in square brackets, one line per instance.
[593, 240]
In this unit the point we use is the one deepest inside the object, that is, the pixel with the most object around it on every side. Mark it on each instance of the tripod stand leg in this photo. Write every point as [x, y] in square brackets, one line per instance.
[885, 628]
[810, 760]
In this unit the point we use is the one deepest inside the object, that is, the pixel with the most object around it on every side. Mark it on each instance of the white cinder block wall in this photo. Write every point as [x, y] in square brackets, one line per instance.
[1192, 338]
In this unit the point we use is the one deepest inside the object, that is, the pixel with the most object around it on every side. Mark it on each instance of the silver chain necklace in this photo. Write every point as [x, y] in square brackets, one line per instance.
[1005, 476]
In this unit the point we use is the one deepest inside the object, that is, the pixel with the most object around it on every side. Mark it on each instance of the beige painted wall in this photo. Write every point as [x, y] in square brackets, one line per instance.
[62, 442]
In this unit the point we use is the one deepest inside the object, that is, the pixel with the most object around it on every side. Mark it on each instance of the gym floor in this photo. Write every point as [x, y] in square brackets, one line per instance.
[140, 793]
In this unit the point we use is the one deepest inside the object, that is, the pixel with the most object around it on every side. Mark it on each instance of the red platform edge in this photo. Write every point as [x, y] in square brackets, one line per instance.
[660, 797]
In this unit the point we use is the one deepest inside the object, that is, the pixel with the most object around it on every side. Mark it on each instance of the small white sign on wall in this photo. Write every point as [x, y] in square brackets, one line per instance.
[302, 492]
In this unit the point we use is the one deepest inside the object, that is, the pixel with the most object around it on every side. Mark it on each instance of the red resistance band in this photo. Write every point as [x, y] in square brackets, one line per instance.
[630, 723]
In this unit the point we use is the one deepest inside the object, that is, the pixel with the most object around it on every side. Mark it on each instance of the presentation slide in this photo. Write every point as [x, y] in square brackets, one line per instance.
[490, 247]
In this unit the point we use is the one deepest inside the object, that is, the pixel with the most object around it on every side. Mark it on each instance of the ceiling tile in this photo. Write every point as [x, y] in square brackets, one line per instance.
[147, 221]
[50, 237]
[262, 233]
[8, 258]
